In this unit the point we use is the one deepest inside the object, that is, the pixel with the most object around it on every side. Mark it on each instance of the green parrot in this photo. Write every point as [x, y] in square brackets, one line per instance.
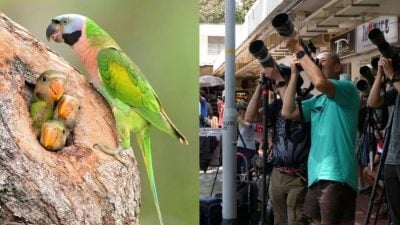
[119, 80]
[67, 111]
[49, 89]
[53, 135]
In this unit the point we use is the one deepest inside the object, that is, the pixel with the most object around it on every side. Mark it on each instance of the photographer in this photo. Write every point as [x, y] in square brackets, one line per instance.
[392, 163]
[332, 163]
[290, 146]
[246, 142]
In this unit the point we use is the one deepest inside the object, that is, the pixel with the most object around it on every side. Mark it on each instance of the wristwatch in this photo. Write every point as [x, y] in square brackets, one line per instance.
[396, 78]
[300, 54]
[280, 84]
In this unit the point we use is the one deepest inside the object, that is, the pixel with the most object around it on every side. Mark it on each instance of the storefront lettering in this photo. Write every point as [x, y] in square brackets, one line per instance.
[343, 45]
[382, 24]
[387, 24]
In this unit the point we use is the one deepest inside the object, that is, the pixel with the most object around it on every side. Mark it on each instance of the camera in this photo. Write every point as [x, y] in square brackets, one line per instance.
[388, 51]
[285, 28]
[283, 25]
[366, 72]
[260, 52]
[363, 86]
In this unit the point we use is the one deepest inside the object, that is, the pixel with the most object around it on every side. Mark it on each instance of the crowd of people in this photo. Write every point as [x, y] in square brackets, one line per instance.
[316, 173]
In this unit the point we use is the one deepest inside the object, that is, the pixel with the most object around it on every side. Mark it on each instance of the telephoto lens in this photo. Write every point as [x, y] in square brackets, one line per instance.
[285, 28]
[388, 51]
[283, 25]
[260, 52]
[362, 85]
[377, 38]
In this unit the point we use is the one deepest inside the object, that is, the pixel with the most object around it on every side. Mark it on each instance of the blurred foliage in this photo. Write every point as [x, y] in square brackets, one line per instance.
[166, 49]
[213, 11]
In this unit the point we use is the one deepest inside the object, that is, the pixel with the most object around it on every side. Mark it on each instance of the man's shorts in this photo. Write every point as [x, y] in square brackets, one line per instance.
[330, 202]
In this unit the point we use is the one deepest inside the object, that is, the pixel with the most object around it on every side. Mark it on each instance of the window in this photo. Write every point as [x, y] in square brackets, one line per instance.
[215, 45]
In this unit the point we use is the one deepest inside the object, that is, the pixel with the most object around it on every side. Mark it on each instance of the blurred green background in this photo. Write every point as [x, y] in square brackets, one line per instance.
[162, 38]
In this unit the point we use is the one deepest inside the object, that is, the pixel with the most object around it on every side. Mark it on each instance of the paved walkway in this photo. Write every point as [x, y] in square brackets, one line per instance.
[206, 182]
[361, 211]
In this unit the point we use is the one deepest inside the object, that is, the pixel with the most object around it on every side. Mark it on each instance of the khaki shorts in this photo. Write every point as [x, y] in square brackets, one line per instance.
[330, 202]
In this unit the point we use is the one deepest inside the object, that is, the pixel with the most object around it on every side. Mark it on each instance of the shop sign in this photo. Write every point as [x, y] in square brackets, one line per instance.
[387, 24]
[344, 44]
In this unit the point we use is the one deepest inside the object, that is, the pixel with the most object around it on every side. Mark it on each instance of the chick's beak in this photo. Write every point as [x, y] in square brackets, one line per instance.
[64, 109]
[57, 89]
[54, 32]
[49, 136]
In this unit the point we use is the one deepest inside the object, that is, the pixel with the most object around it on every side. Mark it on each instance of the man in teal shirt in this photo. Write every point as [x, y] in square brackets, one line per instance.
[332, 164]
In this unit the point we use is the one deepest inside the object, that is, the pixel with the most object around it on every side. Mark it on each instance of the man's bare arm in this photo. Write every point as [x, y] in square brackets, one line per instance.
[252, 114]
[289, 109]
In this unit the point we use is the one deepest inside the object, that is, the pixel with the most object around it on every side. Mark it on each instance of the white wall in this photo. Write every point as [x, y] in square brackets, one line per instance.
[254, 17]
[206, 30]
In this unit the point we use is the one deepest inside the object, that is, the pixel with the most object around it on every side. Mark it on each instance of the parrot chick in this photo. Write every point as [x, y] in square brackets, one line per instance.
[67, 111]
[53, 135]
[134, 103]
[49, 89]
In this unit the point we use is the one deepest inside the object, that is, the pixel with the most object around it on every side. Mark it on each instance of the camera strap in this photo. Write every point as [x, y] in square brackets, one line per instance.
[241, 137]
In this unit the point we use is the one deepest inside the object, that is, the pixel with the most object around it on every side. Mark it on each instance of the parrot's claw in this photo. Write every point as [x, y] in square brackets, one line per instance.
[112, 152]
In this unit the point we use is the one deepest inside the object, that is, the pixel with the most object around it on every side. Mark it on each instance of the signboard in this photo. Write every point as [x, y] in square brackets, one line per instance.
[387, 24]
[344, 44]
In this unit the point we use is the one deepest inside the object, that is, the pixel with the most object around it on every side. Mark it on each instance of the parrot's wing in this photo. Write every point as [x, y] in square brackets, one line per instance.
[124, 80]
[41, 111]
[36, 110]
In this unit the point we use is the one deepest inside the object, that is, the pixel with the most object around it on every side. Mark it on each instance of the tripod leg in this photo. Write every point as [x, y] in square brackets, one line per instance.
[380, 168]
[379, 206]
[215, 179]
[374, 189]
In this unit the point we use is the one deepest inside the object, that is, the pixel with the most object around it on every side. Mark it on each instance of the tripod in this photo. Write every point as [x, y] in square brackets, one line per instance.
[380, 168]
[266, 84]
[367, 140]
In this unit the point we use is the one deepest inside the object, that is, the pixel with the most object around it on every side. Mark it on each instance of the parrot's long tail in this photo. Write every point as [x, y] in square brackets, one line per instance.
[143, 138]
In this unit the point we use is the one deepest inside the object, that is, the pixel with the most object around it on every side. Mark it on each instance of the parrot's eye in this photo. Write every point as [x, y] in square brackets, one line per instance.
[79, 108]
[64, 21]
[63, 131]
[44, 79]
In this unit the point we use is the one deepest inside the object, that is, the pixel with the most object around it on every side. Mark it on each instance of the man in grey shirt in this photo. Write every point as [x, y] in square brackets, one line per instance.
[392, 164]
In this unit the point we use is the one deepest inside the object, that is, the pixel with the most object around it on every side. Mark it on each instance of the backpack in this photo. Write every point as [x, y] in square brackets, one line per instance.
[291, 139]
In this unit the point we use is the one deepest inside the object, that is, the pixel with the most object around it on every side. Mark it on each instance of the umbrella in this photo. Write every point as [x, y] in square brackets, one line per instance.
[210, 81]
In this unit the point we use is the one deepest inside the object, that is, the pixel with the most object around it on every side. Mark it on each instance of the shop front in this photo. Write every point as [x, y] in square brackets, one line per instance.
[356, 50]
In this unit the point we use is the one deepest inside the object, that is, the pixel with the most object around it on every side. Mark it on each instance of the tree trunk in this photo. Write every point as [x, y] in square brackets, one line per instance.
[77, 185]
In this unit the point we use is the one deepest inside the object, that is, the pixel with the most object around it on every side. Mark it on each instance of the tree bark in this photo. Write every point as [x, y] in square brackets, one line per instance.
[77, 185]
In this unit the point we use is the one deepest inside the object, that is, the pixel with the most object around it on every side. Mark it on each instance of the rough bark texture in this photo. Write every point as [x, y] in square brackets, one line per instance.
[77, 185]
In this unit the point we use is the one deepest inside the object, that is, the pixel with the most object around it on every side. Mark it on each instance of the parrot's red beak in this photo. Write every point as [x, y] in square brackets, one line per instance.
[65, 108]
[54, 32]
[57, 89]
